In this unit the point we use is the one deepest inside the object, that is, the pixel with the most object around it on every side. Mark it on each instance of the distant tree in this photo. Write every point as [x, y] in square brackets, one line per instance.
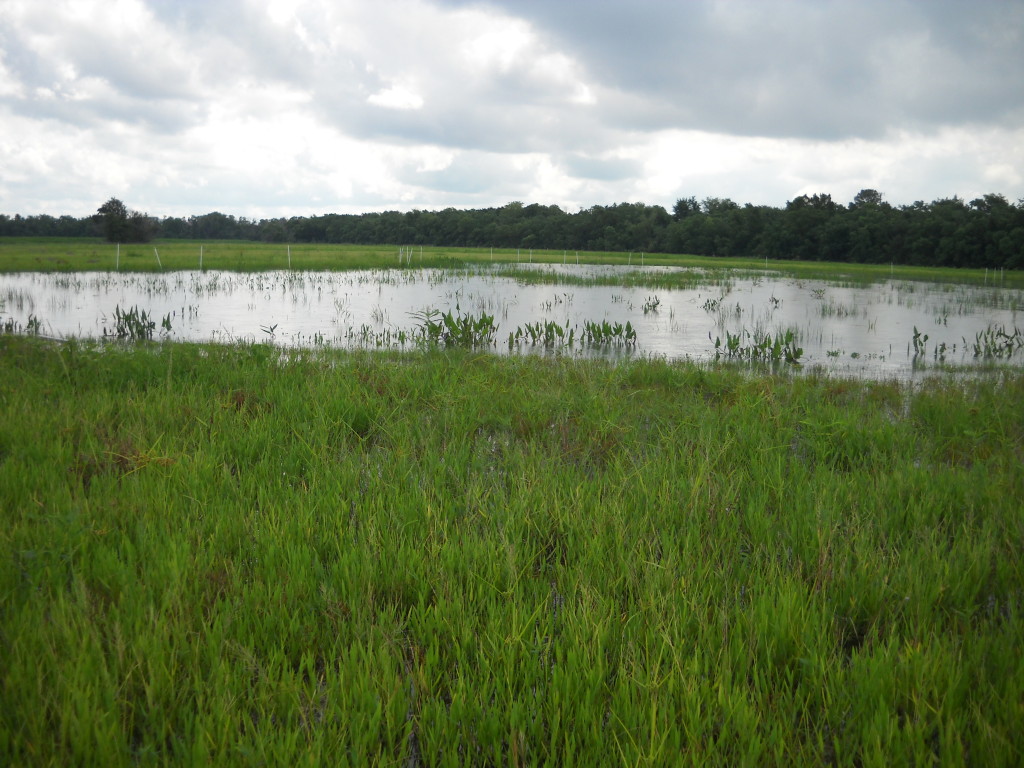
[716, 206]
[119, 225]
[987, 232]
[174, 227]
[685, 207]
[141, 227]
[113, 218]
[273, 231]
[867, 197]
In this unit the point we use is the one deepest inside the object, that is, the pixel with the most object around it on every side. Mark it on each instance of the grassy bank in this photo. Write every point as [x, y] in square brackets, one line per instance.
[211, 554]
[70, 254]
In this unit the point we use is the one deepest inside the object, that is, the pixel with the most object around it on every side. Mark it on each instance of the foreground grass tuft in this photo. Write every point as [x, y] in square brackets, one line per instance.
[220, 554]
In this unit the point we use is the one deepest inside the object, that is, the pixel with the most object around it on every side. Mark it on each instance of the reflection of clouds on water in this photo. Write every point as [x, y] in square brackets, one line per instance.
[852, 329]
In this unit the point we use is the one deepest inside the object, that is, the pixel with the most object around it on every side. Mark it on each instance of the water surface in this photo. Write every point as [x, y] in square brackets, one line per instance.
[861, 330]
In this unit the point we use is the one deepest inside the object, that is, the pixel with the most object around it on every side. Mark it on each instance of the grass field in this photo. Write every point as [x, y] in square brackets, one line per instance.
[70, 254]
[215, 554]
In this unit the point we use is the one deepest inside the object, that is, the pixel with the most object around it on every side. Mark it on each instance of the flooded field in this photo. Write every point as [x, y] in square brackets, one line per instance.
[889, 329]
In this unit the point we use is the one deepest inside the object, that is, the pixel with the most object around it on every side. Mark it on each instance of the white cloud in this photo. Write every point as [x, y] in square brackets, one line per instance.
[396, 97]
[309, 106]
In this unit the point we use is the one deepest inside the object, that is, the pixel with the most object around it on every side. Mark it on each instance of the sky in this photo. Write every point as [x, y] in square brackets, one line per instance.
[267, 108]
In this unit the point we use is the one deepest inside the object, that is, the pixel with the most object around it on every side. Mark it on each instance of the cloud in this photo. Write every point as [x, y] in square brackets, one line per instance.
[396, 97]
[307, 106]
[810, 68]
[95, 62]
[601, 168]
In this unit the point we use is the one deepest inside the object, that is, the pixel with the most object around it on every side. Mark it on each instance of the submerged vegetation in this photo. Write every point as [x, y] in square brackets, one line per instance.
[242, 554]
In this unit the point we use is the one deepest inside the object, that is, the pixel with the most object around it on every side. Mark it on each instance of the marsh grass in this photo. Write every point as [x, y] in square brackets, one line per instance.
[242, 555]
[86, 254]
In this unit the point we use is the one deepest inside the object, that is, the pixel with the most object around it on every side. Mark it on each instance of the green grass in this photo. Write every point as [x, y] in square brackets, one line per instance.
[84, 254]
[219, 554]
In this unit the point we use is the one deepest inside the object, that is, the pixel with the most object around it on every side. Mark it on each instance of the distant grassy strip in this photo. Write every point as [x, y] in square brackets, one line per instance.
[70, 254]
[214, 554]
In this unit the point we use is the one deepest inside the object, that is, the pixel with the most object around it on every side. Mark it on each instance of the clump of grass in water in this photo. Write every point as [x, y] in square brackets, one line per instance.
[33, 326]
[133, 325]
[8, 325]
[551, 335]
[996, 342]
[455, 329]
[547, 334]
[603, 332]
[759, 347]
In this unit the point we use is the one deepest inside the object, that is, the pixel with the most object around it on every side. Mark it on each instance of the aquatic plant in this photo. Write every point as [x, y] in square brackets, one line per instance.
[604, 332]
[456, 329]
[918, 342]
[132, 325]
[547, 334]
[759, 346]
[33, 326]
[995, 341]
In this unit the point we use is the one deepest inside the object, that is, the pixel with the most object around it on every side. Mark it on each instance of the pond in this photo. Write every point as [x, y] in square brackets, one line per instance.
[890, 329]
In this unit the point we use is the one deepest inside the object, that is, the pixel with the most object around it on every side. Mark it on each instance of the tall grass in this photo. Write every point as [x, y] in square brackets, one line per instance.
[241, 555]
[18, 254]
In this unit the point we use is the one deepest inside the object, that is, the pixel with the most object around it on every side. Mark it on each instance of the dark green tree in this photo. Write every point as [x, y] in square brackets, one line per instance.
[120, 225]
[685, 207]
[113, 219]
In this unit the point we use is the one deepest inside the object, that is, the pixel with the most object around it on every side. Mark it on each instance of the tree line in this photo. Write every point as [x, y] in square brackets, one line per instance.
[985, 232]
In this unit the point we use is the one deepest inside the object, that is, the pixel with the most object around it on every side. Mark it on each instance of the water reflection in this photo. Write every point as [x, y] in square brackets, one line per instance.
[851, 329]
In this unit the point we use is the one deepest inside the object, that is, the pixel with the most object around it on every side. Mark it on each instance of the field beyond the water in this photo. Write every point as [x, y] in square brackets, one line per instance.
[240, 555]
[56, 254]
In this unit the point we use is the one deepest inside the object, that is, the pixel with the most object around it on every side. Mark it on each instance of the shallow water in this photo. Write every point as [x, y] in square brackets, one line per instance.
[859, 330]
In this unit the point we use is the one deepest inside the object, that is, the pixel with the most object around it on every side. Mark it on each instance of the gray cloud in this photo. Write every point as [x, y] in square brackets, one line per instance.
[811, 69]
[473, 175]
[601, 169]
